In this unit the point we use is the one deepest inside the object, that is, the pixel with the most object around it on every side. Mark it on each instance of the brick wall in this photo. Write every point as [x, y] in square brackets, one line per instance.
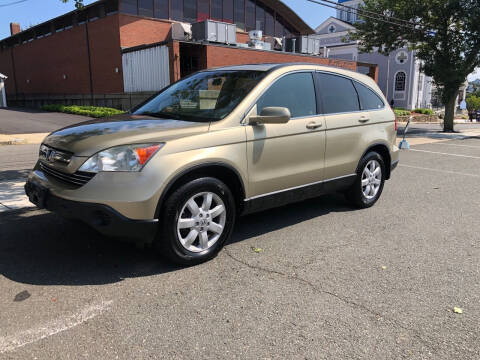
[136, 30]
[40, 65]
[224, 56]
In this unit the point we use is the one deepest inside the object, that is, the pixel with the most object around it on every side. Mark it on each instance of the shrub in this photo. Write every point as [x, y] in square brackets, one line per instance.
[93, 111]
[424, 111]
[401, 112]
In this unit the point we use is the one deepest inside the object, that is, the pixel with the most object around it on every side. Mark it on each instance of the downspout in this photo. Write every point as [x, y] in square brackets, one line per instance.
[89, 61]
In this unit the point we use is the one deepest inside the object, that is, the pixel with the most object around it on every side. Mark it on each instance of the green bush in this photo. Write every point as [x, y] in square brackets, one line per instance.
[401, 112]
[424, 111]
[92, 111]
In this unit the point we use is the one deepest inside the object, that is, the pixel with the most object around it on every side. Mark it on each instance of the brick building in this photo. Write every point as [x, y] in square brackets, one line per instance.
[100, 54]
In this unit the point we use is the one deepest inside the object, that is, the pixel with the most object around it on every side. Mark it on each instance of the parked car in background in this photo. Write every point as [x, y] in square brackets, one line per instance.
[178, 169]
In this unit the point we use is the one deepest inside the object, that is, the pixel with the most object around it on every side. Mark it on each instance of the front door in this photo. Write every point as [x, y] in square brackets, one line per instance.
[289, 156]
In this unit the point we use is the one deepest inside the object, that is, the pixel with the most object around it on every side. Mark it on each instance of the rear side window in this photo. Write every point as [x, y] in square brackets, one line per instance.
[295, 92]
[338, 94]
[368, 99]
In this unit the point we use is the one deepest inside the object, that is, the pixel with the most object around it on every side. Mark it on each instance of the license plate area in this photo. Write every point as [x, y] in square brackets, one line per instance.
[37, 194]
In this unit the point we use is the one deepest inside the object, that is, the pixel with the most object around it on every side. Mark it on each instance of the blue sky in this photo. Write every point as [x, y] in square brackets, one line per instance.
[32, 12]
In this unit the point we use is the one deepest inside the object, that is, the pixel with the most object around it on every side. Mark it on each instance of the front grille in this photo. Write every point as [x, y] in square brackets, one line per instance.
[78, 179]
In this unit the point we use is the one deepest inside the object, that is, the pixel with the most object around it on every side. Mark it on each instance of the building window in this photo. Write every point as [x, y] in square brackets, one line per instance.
[161, 9]
[400, 81]
[203, 10]
[278, 27]
[402, 57]
[250, 15]
[216, 12]
[145, 8]
[332, 29]
[228, 11]
[176, 10]
[269, 23]
[260, 18]
[190, 10]
[240, 14]
[128, 6]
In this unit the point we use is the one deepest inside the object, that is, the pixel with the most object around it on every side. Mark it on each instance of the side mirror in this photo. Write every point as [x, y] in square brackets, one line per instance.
[271, 115]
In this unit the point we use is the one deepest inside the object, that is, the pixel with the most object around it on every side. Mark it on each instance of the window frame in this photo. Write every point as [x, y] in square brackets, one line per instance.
[255, 102]
[320, 97]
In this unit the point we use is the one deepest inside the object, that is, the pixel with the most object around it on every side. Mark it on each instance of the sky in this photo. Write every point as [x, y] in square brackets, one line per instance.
[32, 12]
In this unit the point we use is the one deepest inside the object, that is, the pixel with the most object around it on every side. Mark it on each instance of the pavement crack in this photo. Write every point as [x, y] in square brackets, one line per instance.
[346, 301]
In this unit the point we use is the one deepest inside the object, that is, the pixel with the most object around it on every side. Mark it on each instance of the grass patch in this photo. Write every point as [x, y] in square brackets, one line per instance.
[92, 111]
[401, 112]
[424, 111]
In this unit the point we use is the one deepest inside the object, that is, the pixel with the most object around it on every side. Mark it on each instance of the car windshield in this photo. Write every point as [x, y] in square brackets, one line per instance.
[204, 96]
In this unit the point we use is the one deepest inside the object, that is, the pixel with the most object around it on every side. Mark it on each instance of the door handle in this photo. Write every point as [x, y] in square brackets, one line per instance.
[314, 125]
[364, 119]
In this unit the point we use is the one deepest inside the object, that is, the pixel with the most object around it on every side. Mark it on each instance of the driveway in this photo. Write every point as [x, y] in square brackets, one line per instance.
[28, 121]
[314, 280]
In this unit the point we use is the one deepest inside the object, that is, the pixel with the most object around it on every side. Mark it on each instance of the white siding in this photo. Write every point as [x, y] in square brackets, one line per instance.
[146, 70]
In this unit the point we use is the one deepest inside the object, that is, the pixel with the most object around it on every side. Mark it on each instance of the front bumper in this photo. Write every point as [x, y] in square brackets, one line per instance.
[101, 217]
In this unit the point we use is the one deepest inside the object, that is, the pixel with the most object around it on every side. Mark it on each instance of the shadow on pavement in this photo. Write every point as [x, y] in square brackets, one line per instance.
[41, 248]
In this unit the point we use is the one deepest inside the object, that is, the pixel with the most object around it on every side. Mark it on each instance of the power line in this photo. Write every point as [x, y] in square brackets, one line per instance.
[411, 26]
[370, 12]
[13, 3]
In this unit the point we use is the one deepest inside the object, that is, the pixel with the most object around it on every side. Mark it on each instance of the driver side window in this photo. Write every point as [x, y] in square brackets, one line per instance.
[293, 91]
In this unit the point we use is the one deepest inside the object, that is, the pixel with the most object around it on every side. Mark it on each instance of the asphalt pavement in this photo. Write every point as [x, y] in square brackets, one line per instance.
[313, 280]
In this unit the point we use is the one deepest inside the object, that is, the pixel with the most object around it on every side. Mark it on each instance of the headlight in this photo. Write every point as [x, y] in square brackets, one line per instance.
[121, 158]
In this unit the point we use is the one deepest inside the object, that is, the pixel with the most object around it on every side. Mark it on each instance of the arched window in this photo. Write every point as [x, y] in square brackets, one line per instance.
[400, 80]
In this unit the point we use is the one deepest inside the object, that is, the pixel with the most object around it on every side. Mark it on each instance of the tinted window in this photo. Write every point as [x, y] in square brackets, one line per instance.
[203, 11]
[161, 9]
[190, 10]
[240, 14]
[368, 99]
[338, 94]
[295, 92]
[176, 9]
[269, 23]
[250, 15]
[145, 8]
[216, 9]
[128, 6]
[228, 11]
[260, 18]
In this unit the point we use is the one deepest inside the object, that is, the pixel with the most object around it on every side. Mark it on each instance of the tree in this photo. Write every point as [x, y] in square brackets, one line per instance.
[78, 3]
[445, 34]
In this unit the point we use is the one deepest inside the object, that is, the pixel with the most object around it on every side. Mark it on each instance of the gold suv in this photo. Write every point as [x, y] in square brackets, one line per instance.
[178, 169]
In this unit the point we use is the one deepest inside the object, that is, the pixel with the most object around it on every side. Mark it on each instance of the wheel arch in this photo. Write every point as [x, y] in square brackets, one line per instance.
[382, 149]
[219, 170]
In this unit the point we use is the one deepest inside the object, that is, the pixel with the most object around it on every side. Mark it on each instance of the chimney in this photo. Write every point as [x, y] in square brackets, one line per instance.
[14, 28]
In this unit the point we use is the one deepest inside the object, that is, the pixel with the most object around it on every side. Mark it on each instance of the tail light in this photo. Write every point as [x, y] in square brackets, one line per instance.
[396, 124]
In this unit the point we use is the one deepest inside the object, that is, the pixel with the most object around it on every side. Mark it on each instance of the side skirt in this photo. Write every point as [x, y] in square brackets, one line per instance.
[297, 194]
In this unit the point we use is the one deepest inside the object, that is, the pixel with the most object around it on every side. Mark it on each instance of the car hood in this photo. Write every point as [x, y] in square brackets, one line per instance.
[88, 138]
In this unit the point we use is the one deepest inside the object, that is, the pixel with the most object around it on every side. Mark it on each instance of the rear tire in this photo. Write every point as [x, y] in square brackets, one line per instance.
[369, 183]
[198, 218]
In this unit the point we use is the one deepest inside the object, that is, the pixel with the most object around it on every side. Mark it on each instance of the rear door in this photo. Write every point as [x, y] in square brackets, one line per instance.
[345, 123]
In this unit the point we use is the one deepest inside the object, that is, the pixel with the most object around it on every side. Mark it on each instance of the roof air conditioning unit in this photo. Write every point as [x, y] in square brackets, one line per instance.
[215, 31]
[181, 31]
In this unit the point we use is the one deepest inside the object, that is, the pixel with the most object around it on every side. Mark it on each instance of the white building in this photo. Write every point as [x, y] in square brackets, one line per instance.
[399, 75]
[3, 96]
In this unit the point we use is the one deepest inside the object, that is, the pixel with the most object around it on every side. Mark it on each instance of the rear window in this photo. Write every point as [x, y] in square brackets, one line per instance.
[369, 100]
[337, 93]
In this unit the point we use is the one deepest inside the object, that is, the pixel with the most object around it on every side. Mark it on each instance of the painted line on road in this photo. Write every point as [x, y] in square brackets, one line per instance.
[442, 153]
[439, 170]
[467, 146]
[12, 342]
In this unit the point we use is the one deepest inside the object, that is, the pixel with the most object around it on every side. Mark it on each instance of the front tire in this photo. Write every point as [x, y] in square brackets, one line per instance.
[198, 219]
[369, 183]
